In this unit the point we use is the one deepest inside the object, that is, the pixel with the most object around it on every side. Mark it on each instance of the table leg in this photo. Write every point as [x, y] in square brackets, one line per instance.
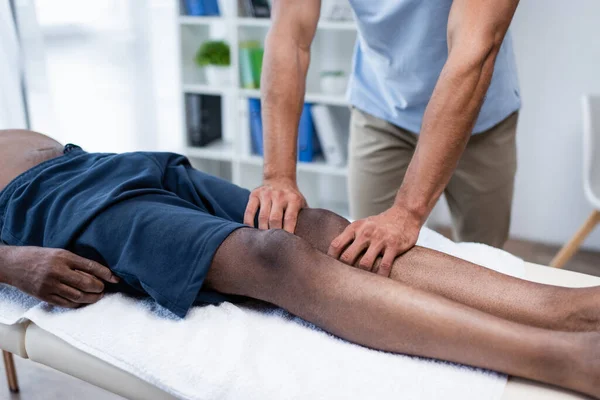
[11, 372]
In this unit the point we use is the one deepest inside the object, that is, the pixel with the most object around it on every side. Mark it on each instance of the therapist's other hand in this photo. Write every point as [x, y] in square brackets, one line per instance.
[279, 202]
[388, 234]
[56, 276]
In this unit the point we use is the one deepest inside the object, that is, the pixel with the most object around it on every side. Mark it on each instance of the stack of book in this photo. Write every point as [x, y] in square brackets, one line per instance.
[203, 119]
[251, 57]
[308, 143]
[202, 7]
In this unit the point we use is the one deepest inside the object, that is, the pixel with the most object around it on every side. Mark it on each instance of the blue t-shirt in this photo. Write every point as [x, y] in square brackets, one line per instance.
[399, 55]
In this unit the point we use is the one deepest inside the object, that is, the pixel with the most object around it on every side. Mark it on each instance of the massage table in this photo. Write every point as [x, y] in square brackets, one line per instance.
[30, 341]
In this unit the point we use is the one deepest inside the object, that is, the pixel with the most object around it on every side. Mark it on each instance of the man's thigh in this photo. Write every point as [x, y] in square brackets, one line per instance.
[480, 192]
[379, 154]
[220, 197]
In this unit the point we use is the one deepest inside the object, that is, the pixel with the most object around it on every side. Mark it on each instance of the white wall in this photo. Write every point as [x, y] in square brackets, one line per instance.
[12, 112]
[557, 46]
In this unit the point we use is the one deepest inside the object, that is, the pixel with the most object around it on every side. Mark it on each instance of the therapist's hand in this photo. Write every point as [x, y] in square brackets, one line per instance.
[389, 234]
[279, 202]
[56, 276]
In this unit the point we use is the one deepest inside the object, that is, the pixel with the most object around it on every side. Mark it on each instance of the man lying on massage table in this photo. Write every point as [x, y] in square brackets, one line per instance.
[175, 233]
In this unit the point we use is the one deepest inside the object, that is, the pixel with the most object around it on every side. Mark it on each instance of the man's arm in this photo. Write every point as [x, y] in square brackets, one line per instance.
[476, 30]
[56, 276]
[283, 84]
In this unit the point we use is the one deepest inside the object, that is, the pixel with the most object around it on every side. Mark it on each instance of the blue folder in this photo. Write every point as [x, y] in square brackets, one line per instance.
[195, 7]
[211, 7]
[256, 126]
[308, 144]
[306, 136]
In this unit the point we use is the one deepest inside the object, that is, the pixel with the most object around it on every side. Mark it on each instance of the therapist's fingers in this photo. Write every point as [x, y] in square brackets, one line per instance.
[387, 261]
[61, 301]
[93, 268]
[77, 296]
[290, 218]
[276, 215]
[265, 211]
[83, 281]
[339, 244]
[351, 254]
[251, 210]
[368, 260]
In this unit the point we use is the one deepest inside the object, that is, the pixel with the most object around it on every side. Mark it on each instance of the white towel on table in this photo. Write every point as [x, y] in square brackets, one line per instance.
[257, 352]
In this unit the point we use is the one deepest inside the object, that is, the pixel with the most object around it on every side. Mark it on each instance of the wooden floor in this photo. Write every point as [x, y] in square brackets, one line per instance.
[41, 383]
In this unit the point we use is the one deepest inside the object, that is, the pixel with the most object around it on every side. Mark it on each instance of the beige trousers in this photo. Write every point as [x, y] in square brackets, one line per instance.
[479, 193]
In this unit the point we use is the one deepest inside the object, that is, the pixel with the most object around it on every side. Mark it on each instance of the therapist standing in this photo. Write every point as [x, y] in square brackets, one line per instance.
[435, 99]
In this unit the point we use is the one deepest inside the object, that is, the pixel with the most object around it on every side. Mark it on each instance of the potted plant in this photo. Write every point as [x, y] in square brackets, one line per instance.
[333, 82]
[215, 58]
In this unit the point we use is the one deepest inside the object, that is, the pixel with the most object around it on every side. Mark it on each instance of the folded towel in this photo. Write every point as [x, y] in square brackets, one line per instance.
[254, 351]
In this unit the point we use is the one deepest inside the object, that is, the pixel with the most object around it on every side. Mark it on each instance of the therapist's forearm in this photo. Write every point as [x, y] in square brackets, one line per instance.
[283, 85]
[447, 125]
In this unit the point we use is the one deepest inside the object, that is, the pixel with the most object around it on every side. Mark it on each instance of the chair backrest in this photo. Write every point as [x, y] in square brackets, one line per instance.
[591, 149]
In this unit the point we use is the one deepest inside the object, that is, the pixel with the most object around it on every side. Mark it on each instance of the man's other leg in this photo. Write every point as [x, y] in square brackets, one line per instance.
[480, 192]
[379, 154]
[377, 312]
[495, 293]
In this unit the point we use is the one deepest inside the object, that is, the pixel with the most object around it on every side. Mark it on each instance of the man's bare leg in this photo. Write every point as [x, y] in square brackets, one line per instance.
[381, 313]
[515, 299]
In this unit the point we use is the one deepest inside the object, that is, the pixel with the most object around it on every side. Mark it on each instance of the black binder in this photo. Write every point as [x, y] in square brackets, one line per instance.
[203, 119]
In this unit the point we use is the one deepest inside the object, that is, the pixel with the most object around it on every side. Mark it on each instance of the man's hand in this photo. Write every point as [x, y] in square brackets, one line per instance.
[56, 276]
[390, 233]
[279, 201]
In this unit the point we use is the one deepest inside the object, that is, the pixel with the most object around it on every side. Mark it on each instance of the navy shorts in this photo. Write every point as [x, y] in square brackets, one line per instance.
[155, 221]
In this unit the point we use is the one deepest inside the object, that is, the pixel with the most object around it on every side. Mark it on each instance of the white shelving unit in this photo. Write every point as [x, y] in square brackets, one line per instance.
[324, 185]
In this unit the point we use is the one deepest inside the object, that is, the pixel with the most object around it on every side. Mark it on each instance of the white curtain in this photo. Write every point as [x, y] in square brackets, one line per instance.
[12, 113]
[102, 74]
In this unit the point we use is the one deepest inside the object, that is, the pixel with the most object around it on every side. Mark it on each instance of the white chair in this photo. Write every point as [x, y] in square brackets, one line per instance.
[591, 177]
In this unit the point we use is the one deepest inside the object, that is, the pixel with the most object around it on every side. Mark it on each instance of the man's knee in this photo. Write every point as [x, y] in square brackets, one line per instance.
[319, 217]
[269, 249]
[319, 227]
[257, 263]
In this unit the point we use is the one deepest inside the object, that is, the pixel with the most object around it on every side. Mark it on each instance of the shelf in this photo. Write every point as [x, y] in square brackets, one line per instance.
[219, 150]
[337, 25]
[249, 21]
[326, 99]
[199, 20]
[204, 89]
[319, 166]
[325, 25]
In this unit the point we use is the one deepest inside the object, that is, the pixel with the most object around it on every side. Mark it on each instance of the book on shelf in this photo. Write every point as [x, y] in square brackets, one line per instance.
[308, 143]
[256, 126]
[211, 8]
[332, 130]
[251, 56]
[198, 8]
[256, 60]
[203, 119]
[257, 8]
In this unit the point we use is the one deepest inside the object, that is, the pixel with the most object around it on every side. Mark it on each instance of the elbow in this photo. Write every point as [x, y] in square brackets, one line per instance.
[475, 56]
